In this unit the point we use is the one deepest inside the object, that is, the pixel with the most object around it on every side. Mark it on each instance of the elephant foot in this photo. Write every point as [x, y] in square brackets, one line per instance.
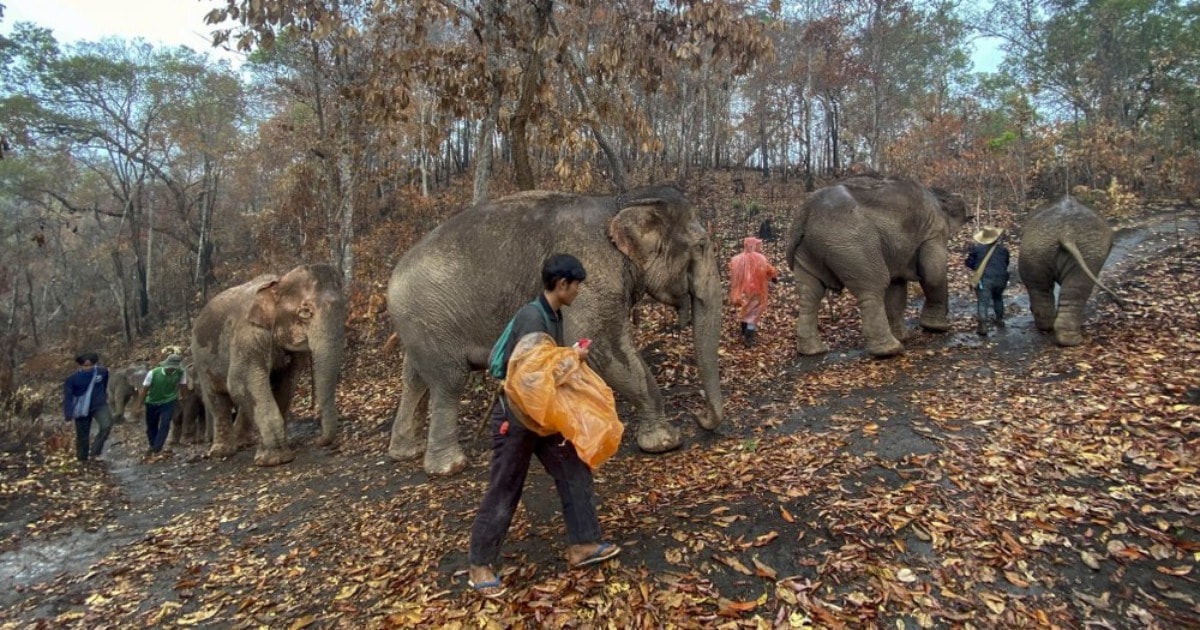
[659, 438]
[900, 333]
[710, 420]
[1043, 326]
[811, 346]
[405, 450]
[273, 456]
[886, 349]
[221, 450]
[935, 324]
[451, 462]
[1068, 338]
[326, 440]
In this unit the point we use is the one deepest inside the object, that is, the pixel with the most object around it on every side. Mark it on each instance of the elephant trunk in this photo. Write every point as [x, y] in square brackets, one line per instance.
[327, 351]
[706, 314]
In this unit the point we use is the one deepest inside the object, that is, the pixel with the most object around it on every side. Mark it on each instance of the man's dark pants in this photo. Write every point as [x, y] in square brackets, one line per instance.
[511, 454]
[989, 296]
[83, 429]
[158, 424]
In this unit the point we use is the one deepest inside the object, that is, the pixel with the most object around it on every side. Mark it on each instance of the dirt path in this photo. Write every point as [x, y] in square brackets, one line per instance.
[838, 489]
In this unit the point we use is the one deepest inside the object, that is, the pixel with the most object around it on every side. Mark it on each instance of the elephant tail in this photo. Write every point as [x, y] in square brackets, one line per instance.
[795, 236]
[1074, 251]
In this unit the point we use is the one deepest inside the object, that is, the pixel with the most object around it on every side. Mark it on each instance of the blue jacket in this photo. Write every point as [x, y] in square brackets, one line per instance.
[996, 272]
[76, 386]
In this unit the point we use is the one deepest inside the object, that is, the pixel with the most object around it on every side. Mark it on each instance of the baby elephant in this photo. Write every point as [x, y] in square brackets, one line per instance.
[1061, 245]
[249, 343]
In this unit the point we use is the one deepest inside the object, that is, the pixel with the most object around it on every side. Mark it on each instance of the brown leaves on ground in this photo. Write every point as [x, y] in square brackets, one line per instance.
[1008, 484]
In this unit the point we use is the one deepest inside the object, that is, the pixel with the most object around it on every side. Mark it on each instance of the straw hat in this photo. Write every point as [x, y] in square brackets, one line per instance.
[987, 235]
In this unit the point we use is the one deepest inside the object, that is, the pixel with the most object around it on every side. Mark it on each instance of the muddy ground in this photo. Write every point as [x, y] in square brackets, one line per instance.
[972, 482]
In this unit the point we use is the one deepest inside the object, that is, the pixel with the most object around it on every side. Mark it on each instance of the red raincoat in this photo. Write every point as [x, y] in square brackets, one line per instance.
[749, 273]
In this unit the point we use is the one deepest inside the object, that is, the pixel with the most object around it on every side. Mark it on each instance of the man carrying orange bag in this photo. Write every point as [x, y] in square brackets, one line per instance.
[513, 445]
[553, 390]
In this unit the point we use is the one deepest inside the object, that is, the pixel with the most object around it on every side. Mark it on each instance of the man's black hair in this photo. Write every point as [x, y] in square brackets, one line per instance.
[86, 357]
[561, 267]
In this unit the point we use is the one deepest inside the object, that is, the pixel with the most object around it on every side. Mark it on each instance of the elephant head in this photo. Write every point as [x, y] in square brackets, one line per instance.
[123, 385]
[306, 313]
[661, 234]
[954, 207]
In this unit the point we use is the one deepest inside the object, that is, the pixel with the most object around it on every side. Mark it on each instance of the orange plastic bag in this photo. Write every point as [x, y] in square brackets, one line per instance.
[552, 391]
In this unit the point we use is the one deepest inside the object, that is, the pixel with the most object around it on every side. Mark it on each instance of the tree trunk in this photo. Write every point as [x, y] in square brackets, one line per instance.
[616, 164]
[531, 80]
[33, 327]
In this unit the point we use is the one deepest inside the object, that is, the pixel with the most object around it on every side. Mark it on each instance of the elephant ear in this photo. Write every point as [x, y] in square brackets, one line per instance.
[262, 310]
[639, 230]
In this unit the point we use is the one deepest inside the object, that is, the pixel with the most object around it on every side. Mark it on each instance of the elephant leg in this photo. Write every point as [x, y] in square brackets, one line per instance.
[895, 298]
[244, 430]
[176, 428]
[809, 292]
[283, 387]
[413, 400]
[878, 333]
[931, 261]
[624, 370]
[1073, 295]
[443, 455]
[224, 441]
[1042, 304]
[257, 400]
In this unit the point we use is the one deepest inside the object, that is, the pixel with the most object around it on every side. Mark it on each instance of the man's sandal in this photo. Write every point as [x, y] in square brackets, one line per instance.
[490, 589]
[605, 551]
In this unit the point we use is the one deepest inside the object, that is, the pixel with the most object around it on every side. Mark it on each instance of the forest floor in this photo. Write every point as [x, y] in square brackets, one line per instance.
[971, 482]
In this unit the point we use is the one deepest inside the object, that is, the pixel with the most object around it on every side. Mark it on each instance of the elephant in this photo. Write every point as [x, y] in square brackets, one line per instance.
[873, 235]
[189, 422]
[248, 344]
[123, 385]
[1060, 245]
[450, 297]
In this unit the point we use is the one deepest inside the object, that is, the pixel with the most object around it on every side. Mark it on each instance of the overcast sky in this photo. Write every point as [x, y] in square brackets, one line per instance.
[176, 22]
[161, 22]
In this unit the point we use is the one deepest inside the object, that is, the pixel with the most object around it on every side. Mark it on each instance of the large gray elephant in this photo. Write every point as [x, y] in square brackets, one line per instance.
[1060, 245]
[873, 235]
[451, 295]
[249, 343]
[123, 385]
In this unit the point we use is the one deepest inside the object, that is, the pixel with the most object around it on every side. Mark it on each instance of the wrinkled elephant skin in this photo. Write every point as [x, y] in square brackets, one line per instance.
[123, 385]
[449, 300]
[1065, 244]
[873, 235]
[249, 345]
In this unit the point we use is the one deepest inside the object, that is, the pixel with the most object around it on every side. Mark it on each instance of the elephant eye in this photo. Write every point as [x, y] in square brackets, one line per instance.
[305, 313]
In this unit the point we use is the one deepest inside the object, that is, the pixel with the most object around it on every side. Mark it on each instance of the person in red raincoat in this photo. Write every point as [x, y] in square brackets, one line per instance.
[749, 273]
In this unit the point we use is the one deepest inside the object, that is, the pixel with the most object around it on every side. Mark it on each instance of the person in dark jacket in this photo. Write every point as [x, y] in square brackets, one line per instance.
[990, 282]
[85, 397]
[513, 445]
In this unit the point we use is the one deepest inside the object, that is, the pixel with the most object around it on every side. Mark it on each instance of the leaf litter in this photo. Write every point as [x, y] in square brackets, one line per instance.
[1014, 484]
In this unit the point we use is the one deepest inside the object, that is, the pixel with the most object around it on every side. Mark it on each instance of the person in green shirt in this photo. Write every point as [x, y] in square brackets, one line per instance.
[160, 392]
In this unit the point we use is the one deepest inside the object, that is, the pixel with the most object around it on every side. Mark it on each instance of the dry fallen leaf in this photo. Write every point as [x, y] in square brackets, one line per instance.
[734, 564]
[763, 570]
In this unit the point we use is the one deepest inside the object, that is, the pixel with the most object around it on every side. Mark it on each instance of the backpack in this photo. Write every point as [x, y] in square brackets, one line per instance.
[497, 366]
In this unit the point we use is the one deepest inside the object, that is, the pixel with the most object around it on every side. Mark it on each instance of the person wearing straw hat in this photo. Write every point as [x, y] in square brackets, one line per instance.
[160, 392]
[988, 258]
